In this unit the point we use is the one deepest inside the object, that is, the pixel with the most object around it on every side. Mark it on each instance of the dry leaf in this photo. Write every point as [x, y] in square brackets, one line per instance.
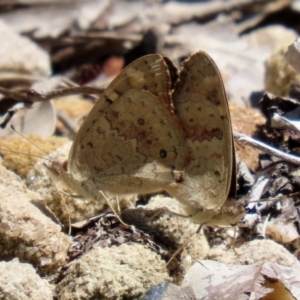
[293, 55]
[39, 119]
[213, 280]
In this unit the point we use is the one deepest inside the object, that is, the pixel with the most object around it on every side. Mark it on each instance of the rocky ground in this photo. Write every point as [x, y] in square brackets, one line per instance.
[56, 244]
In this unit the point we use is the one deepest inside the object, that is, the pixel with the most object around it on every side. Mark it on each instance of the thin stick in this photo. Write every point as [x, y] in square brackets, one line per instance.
[265, 226]
[242, 138]
[276, 198]
[34, 96]
[67, 121]
[14, 95]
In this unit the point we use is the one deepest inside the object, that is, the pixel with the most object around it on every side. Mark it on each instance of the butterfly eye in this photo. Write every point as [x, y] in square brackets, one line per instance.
[163, 153]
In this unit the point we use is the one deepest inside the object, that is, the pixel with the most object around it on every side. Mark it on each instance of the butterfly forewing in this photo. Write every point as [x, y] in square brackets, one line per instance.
[131, 142]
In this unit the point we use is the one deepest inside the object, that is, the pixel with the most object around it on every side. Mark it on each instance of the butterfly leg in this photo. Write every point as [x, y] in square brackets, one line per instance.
[118, 206]
[110, 206]
[199, 228]
[68, 213]
[233, 240]
[186, 243]
[180, 249]
[166, 210]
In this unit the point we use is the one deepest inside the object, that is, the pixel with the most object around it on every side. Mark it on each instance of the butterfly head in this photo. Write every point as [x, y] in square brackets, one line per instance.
[229, 215]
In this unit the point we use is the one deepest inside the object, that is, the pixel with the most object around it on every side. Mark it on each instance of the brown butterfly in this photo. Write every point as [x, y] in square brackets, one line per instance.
[141, 138]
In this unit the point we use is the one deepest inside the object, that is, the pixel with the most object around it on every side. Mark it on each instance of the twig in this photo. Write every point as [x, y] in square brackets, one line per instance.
[67, 121]
[265, 10]
[135, 38]
[13, 94]
[34, 96]
[242, 138]
[179, 12]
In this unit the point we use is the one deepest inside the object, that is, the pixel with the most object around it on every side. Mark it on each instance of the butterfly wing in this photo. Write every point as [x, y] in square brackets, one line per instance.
[200, 103]
[131, 141]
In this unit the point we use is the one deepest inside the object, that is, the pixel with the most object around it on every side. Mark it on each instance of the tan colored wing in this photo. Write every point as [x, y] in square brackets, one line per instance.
[201, 105]
[131, 142]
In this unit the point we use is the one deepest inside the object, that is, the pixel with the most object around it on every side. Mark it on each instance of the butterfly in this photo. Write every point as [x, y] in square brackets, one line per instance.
[153, 129]
[209, 188]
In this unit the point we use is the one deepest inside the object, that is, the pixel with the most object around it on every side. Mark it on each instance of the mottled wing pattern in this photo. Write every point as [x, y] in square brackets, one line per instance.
[201, 105]
[131, 142]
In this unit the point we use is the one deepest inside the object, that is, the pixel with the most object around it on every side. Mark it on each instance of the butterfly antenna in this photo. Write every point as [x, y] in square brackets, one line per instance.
[37, 147]
[23, 153]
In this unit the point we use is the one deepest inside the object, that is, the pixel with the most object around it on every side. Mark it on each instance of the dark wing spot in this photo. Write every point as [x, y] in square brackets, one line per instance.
[109, 100]
[163, 153]
[209, 135]
[214, 97]
[90, 145]
[141, 121]
[142, 135]
[115, 114]
[217, 173]
[99, 130]
[217, 132]
[119, 157]
[162, 122]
